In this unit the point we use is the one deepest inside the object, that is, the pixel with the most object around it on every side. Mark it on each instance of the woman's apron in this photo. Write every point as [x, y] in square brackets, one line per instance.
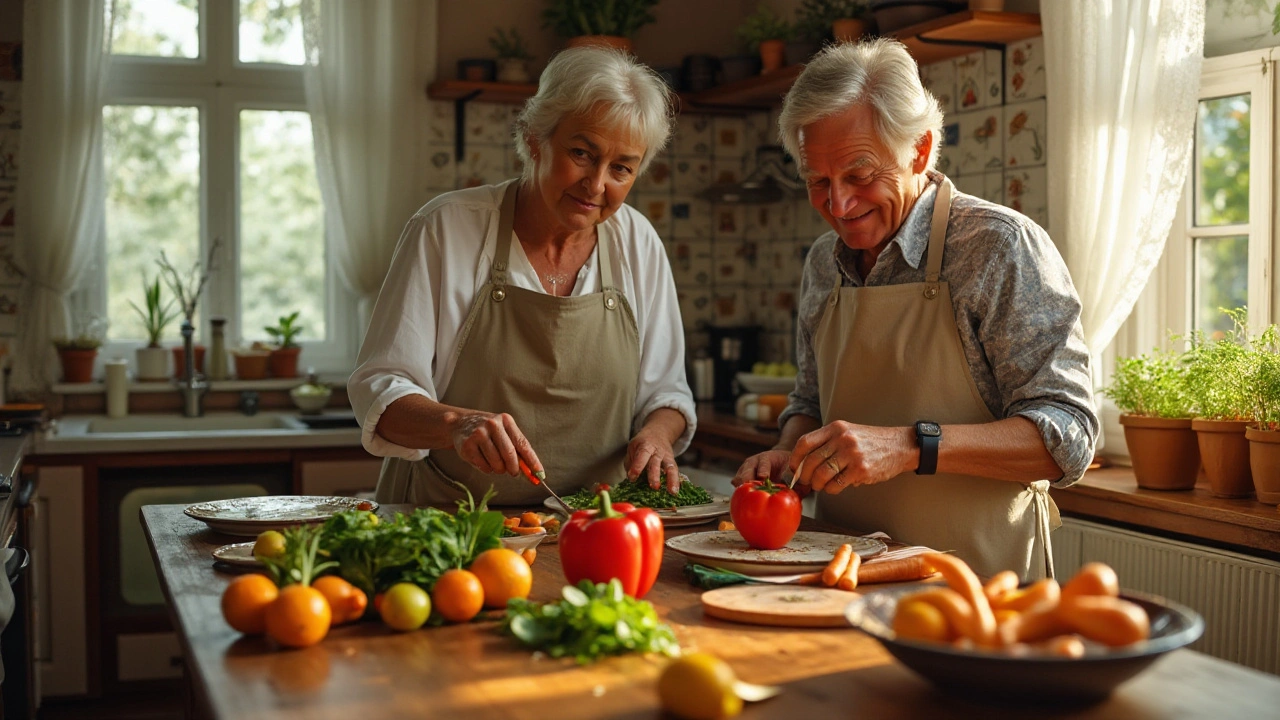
[565, 368]
[888, 356]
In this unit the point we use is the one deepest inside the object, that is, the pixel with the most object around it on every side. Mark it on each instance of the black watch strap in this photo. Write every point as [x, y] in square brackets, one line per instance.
[928, 436]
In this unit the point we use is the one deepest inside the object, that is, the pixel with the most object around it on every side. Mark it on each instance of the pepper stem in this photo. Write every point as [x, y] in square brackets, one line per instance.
[606, 507]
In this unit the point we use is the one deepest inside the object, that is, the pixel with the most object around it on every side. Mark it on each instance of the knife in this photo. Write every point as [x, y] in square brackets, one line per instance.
[791, 485]
[539, 478]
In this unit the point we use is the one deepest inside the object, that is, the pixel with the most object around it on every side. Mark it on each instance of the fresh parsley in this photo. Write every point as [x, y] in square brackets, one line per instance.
[639, 493]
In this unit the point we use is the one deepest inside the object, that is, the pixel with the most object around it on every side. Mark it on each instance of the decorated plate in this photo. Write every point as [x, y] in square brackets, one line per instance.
[520, 543]
[238, 554]
[251, 515]
[807, 552]
[681, 516]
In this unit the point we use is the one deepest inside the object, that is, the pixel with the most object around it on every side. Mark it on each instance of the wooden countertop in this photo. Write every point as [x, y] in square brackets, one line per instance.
[367, 671]
[1109, 494]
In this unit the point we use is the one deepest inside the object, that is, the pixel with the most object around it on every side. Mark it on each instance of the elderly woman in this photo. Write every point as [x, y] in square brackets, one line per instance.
[944, 379]
[535, 321]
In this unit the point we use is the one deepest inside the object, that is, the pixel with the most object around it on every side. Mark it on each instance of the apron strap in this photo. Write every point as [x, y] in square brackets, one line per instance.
[937, 237]
[502, 253]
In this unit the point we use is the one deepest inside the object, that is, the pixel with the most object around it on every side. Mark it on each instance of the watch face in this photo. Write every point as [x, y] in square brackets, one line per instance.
[929, 429]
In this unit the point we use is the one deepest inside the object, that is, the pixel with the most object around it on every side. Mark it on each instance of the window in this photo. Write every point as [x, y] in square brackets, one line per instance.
[206, 136]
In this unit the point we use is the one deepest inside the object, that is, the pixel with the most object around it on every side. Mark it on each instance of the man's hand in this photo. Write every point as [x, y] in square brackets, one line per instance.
[841, 455]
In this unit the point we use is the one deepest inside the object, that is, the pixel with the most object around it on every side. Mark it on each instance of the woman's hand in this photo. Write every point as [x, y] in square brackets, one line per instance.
[768, 464]
[841, 454]
[492, 443]
[650, 455]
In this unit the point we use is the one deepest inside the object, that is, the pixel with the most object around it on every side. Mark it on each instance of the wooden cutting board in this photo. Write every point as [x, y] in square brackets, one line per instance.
[782, 605]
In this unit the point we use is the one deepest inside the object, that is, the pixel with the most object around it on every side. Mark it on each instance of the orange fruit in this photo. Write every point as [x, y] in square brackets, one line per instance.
[918, 620]
[245, 601]
[405, 606]
[346, 601]
[458, 595]
[503, 574]
[299, 617]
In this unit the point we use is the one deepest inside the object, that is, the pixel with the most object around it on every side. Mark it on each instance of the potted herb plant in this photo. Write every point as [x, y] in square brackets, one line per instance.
[844, 20]
[284, 356]
[513, 56]
[590, 22]
[1218, 380]
[1155, 410]
[1264, 434]
[78, 352]
[767, 32]
[153, 360]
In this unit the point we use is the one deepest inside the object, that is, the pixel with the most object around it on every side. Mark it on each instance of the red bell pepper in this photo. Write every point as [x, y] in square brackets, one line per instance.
[616, 541]
[766, 515]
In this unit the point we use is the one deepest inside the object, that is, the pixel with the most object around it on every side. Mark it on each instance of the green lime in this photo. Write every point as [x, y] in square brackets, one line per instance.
[405, 607]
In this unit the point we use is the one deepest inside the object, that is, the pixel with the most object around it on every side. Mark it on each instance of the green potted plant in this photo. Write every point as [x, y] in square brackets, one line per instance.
[153, 360]
[1155, 409]
[1264, 434]
[513, 56]
[591, 22]
[78, 352]
[844, 20]
[767, 32]
[1218, 380]
[284, 356]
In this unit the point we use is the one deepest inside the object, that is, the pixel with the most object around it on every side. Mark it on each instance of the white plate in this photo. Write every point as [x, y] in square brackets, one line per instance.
[251, 515]
[238, 554]
[520, 543]
[807, 552]
[766, 384]
[681, 516]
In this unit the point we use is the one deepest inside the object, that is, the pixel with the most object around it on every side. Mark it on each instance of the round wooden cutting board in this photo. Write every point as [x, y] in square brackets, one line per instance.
[782, 605]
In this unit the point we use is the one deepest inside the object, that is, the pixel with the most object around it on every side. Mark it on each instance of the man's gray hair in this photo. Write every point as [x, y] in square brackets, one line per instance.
[583, 79]
[879, 74]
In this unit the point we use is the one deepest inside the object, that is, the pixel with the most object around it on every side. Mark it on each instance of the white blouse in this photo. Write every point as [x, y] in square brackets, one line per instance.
[441, 262]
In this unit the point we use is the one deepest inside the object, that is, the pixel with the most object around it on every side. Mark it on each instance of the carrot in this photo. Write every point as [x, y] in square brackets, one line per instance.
[529, 530]
[849, 580]
[530, 519]
[810, 579]
[961, 578]
[1031, 627]
[901, 570]
[1002, 582]
[835, 569]
[1043, 594]
[529, 555]
[725, 526]
[511, 522]
[1110, 621]
[1094, 578]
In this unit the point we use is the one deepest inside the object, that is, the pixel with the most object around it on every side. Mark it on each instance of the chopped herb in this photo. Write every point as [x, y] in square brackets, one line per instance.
[639, 493]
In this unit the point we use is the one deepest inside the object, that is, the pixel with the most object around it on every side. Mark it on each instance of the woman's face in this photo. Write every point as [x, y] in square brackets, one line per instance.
[583, 172]
[855, 181]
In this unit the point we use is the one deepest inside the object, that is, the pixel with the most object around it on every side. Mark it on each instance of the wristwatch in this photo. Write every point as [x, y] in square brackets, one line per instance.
[928, 435]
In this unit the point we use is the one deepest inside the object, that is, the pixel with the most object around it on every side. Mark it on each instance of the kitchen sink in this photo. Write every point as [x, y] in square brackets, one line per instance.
[179, 424]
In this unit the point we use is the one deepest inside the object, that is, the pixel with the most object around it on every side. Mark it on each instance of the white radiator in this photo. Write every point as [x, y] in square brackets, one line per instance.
[1238, 595]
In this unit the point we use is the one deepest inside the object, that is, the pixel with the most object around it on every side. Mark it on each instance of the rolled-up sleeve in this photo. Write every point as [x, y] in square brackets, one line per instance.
[1029, 329]
[398, 351]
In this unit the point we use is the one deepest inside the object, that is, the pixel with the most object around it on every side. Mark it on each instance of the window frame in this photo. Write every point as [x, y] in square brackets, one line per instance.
[219, 86]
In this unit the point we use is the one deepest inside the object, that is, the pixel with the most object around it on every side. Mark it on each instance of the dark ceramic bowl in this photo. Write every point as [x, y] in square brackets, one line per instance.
[1044, 679]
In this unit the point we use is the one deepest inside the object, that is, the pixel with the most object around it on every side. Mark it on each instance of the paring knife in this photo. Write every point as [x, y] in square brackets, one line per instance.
[791, 485]
[539, 478]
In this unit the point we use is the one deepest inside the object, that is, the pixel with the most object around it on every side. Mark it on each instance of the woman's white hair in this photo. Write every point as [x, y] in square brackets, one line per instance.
[879, 74]
[581, 80]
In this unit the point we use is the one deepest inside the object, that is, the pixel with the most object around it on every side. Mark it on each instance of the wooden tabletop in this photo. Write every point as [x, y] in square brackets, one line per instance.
[364, 671]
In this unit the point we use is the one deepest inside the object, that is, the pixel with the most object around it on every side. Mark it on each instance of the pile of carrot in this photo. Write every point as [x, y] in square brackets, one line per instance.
[846, 570]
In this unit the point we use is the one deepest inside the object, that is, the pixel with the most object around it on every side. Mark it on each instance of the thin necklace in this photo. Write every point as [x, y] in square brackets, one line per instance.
[555, 280]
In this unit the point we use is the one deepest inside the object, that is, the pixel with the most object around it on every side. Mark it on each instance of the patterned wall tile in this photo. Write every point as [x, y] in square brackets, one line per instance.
[691, 263]
[442, 173]
[440, 121]
[970, 82]
[10, 104]
[1024, 130]
[728, 222]
[695, 307]
[993, 187]
[730, 258]
[979, 147]
[489, 123]
[512, 166]
[970, 184]
[693, 135]
[727, 170]
[729, 306]
[483, 165]
[692, 174]
[1024, 70]
[940, 79]
[729, 139]
[1027, 191]
[690, 217]
[657, 208]
[765, 222]
[657, 178]
[759, 131]
[993, 79]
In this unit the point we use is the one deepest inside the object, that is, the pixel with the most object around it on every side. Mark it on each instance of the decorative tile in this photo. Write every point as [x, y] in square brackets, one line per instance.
[993, 187]
[979, 147]
[992, 79]
[778, 346]
[1024, 70]
[940, 79]
[760, 131]
[441, 171]
[1027, 191]
[693, 135]
[729, 306]
[657, 208]
[11, 104]
[9, 153]
[440, 121]
[695, 307]
[726, 171]
[765, 222]
[657, 178]
[809, 223]
[483, 165]
[1025, 133]
[489, 123]
[970, 184]
[692, 174]
[691, 263]
[948, 150]
[730, 138]
[780, 261]
[513, 165]
[729, 221]
[970, 82]
[730, 263]
[690, 217]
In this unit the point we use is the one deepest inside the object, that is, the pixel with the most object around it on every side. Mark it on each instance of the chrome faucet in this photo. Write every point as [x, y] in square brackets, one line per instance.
[191, 388]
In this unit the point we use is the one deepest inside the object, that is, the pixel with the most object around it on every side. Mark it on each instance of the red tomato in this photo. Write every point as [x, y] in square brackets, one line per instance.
[766, 515]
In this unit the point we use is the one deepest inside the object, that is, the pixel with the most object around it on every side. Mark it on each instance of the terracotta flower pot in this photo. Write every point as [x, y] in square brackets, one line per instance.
[77, 365]
[1264, 459]
[773, 55]
[1164, 451]
[251, 366]
[284, 362]
[848, 29]
[610, 41]
[1224, 451]
[180, 361]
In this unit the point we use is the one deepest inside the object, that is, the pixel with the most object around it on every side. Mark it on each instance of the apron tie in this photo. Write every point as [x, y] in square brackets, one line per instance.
[1047, 519]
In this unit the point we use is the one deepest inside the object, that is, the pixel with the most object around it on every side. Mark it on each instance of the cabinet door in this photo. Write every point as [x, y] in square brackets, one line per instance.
[57, 582]
[343, 478]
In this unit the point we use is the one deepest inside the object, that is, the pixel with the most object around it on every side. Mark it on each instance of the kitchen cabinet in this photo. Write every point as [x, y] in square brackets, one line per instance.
[58, 582]
[320, 475]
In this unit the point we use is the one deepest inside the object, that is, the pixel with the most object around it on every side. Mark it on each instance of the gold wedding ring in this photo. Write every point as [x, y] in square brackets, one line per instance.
[832, 464]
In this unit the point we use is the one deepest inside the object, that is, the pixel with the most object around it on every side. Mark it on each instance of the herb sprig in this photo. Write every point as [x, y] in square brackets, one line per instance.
[639, 493]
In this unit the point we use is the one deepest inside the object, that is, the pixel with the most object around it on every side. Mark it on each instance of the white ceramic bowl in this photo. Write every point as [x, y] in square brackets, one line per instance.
[766, 384]
[310, 402]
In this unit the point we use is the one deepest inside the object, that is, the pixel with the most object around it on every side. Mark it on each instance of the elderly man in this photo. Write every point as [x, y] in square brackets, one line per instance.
[944, 379]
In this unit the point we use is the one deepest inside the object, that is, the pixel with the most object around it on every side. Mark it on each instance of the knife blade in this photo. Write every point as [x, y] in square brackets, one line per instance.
[791, 485]
[539, 478]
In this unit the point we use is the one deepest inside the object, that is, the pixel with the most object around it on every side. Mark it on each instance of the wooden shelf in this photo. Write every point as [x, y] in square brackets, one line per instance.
[960, 33]
[494, 92]
[757, 93]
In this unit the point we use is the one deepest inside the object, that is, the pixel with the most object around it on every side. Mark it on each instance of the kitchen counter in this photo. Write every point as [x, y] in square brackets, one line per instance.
[365, 670]
[77, 434]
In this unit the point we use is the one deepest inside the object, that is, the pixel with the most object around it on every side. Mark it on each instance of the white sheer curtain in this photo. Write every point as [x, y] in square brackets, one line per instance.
[362, 92]
[1122, 79]
[60, 193]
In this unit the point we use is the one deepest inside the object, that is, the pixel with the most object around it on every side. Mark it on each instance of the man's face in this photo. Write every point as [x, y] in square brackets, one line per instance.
[855, 181]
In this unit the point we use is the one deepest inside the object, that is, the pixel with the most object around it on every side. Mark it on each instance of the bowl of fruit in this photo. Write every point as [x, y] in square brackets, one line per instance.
[529, 529]
[1039, 643]
[769, 378]
[311, 397]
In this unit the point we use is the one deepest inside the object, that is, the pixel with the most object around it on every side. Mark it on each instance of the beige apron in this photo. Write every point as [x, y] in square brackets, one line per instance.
[566, 368]
[889, 356]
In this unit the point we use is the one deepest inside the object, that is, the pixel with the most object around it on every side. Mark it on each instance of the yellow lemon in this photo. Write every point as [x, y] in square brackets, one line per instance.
[269, 544]
[918, 620]
[698, 686]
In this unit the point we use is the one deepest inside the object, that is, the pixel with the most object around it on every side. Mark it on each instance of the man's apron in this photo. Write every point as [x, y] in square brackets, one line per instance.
[888, 356]
[565, 368]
